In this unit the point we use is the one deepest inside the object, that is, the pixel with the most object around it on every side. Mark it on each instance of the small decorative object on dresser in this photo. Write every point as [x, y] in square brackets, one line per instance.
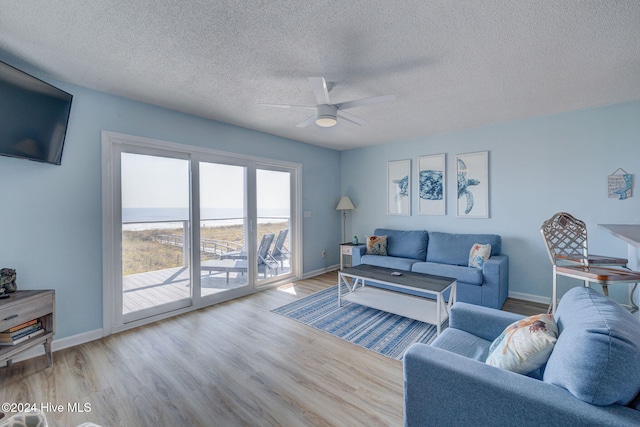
[7, 282]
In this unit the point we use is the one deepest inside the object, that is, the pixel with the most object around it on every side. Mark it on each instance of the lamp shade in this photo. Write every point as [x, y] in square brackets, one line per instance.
[345, 204]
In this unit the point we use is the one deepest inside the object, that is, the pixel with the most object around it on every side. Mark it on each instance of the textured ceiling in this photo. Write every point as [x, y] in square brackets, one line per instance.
[451, 64]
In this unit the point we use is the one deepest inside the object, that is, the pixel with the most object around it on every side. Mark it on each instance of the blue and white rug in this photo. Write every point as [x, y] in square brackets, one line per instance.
[375, 330]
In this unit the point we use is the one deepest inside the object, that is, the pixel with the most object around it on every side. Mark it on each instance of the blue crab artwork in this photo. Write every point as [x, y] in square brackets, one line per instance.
[431, 185]
[403, 185]
[464, 184]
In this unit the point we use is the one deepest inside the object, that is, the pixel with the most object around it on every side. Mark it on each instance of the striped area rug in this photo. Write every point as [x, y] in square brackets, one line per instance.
[379, 331]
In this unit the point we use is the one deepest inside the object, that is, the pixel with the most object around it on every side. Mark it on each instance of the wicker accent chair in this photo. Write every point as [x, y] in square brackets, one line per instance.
[565, 238]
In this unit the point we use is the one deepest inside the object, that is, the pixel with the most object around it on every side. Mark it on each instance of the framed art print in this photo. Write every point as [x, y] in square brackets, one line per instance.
[432, 185]
[472, 172]
[399, 187]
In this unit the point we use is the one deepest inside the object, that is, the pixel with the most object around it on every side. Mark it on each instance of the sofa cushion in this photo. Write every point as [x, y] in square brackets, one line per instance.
[479, 254]
[524, 345]
[597, 355]
[389, 262]
[449, 248]
[405, 244]
[376, 245]
[463, 343]
[471, 276]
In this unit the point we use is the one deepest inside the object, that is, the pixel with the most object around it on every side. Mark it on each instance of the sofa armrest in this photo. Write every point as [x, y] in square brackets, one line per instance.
[484, 322]
[356, 254]
[495, 286]
[444, 388]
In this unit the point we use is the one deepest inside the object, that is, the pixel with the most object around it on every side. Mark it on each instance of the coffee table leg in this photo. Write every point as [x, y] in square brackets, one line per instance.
[438, 313]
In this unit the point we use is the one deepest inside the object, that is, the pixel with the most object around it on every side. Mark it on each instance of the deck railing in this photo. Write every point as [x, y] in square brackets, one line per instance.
[215, 247]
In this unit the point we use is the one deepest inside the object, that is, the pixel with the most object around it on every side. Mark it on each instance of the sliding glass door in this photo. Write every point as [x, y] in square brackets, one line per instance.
[274, 230]
[186, 228]
[155, 232]
[223, 241]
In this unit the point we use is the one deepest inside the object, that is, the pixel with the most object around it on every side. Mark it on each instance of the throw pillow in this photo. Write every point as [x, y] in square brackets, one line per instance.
[525, 345]
[377, 245]
[479, 254]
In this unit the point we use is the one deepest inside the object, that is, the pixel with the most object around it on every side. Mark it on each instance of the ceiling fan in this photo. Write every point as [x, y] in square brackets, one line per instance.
[326, 114]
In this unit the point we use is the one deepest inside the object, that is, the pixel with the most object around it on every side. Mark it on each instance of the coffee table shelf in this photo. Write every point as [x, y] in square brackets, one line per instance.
[413, 307]
[424, 309]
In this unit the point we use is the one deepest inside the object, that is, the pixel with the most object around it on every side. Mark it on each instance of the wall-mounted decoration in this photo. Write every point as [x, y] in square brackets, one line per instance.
[432, 182]
[472, 171]
[399, 187]
[620, 184]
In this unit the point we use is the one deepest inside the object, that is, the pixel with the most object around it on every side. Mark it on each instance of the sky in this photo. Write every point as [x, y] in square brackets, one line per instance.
[161, 182]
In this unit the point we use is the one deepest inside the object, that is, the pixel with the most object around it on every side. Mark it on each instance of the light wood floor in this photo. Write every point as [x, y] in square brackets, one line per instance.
[233, 364]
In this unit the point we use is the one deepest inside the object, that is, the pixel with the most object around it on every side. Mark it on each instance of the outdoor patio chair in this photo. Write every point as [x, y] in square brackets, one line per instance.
[280, 251]
[266, 261]
[565, 238]
[238, 263]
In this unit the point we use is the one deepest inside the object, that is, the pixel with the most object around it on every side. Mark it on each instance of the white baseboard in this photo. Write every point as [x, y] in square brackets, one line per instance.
[60, 344]
[529, 297]
[314, 273]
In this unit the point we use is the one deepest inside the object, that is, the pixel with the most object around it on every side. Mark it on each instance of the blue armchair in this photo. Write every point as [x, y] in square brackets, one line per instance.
[590, 379]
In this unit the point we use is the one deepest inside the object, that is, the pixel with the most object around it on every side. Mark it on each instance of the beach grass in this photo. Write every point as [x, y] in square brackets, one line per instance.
[143, 252]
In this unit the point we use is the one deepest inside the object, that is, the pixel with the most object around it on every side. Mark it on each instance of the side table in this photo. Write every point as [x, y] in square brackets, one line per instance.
[346, 250]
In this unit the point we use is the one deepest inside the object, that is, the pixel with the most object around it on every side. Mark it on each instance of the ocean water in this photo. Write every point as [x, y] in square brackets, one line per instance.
[167, 218]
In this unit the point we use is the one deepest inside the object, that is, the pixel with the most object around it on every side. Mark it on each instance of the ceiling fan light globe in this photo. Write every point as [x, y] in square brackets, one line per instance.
[326, 121]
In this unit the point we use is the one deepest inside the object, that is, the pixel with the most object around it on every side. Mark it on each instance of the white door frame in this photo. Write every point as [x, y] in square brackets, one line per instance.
[112, 220]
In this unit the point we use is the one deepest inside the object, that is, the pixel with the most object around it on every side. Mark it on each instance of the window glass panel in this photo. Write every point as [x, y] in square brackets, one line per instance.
[155, 232]
[274, 222]
[223, 228]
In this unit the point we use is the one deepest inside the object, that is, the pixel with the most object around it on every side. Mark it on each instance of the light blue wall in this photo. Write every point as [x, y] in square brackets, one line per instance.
[50, 216]
[537, 167]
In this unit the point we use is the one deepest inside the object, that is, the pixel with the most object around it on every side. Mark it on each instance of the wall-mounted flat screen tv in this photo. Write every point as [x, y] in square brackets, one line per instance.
[33, 117]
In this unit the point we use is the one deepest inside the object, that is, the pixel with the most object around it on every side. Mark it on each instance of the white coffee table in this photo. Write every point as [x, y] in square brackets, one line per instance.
[427, 310]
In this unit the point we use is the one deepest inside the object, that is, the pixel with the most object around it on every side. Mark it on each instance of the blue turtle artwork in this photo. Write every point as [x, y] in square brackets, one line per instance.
[431, 185]
[403, 187]
[464, 184]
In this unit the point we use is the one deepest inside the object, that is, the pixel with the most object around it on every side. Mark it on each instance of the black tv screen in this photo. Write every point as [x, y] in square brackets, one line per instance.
[33, 117]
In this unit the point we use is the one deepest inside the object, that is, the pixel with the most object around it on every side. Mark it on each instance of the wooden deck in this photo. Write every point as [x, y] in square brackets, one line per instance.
[146, 290]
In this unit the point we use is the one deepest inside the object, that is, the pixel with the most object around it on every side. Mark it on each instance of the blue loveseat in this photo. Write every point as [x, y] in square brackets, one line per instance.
[445, 254]
[590, 378]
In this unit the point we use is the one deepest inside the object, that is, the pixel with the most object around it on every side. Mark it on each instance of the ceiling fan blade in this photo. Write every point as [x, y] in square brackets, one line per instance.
[319, 86]
[307, 121]
[287, 105]
[351, 118]
[365, 101]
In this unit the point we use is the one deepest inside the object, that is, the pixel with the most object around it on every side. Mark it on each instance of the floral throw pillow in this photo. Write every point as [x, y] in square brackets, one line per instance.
[377, 245]
[479, 254]
[525, 345]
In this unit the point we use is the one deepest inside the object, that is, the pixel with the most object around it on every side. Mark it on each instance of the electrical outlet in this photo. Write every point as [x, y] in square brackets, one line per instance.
[324, 254]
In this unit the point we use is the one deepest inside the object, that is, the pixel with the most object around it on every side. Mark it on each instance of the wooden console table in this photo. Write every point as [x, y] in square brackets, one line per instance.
[21, 307]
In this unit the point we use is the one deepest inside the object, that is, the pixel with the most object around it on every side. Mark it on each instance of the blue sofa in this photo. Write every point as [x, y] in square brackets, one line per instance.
[445, 254]
[592, 377]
